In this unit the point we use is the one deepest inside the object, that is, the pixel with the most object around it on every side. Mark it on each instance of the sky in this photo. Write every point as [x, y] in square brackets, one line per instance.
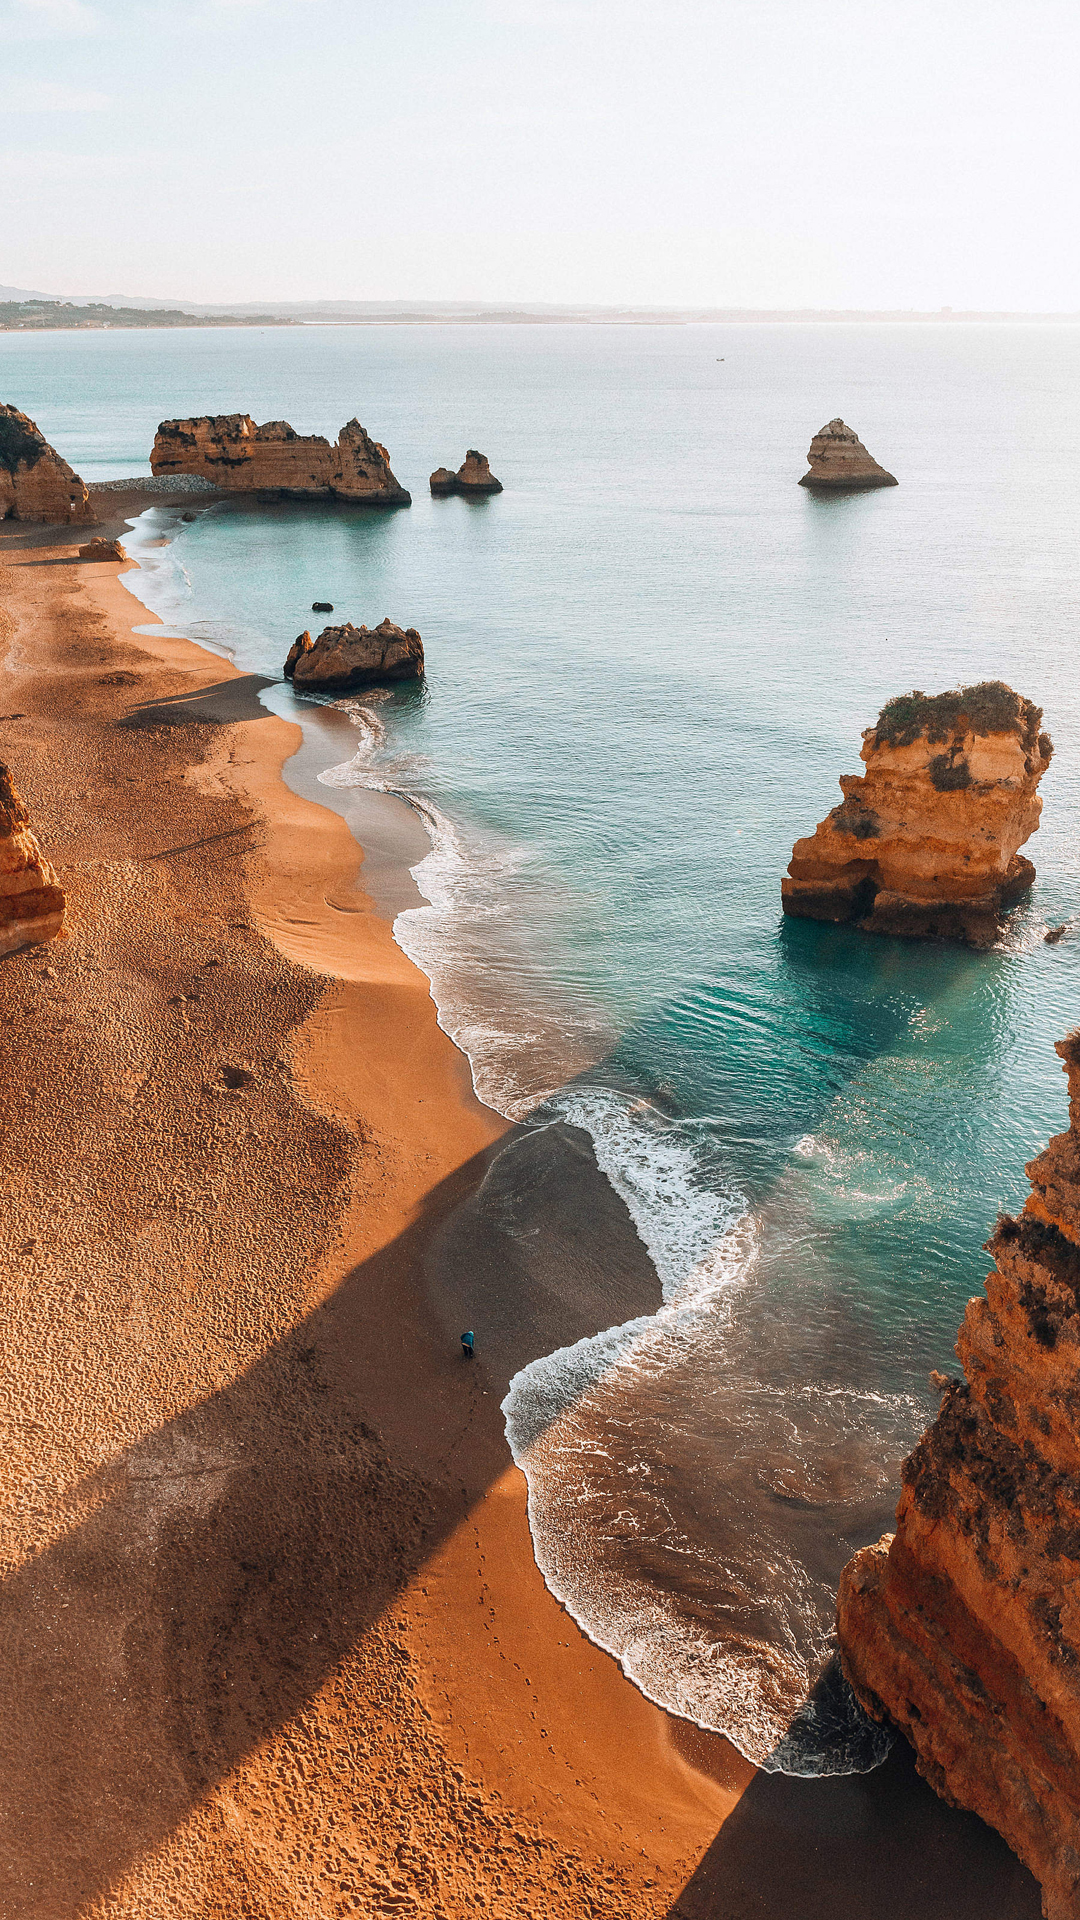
[772, 153]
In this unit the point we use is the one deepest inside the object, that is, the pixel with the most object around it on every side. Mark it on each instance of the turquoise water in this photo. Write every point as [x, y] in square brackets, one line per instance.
[649, 660]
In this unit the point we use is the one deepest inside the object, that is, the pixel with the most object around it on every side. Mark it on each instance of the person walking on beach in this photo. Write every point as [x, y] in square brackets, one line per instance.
[467, 1346]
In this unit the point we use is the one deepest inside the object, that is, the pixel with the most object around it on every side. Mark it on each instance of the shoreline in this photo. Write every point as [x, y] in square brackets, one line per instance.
[530, 1745]
[416, 1105]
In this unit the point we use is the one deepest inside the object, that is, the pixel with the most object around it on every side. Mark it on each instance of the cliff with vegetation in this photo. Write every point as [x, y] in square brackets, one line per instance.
[274, 460]
[963, 1628]
[924, 844]
[35, 484]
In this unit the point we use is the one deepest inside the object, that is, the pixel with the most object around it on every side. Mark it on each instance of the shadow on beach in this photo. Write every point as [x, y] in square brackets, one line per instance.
[227, 1563]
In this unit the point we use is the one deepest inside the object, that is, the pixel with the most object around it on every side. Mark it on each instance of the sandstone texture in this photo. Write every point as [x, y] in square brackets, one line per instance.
[964, 1627]
[35, 484]
[103, 550]
[474, 476]
[273, 460]
[924, 844]
[31, 902]
[346, 657]
[301, 645]
[839, 461]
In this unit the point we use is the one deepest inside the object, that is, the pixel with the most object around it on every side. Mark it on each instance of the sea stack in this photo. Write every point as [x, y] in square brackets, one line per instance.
[346, 657]
[276, 462]
[924, 844]
[31, 902]
[963, 1628]
[474, 476]
[35, 484]
[840, 463]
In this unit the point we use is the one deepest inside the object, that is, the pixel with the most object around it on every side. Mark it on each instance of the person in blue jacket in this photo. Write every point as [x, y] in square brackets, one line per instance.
[467, 1345]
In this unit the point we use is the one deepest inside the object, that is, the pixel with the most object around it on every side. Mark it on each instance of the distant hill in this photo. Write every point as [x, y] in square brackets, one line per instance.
[23, 316]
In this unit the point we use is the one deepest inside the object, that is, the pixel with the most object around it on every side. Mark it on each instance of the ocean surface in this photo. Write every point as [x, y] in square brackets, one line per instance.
[649, 661]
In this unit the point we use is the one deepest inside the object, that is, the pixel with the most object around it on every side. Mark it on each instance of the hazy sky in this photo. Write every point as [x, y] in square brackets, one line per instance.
[736, 153]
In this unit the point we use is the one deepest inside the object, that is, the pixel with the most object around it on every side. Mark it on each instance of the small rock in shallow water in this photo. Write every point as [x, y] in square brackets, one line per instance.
[1054, 934]
[346, 657]
[322, 606]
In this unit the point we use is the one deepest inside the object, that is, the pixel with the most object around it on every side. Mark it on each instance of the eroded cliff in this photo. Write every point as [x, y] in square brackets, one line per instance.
[924, 844]
[35, 483]
[31, 902]
[840, 463]
[964, 1627]
[273, 459]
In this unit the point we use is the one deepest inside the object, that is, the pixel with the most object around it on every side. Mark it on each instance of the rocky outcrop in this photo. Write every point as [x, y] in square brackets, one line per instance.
[31, 902]
[276, 462]
[301, 645]
[35, 484]
[839, 462]
[474, 476]
[924, 844]
[963, 1628]
[346, 657]
[103, 550]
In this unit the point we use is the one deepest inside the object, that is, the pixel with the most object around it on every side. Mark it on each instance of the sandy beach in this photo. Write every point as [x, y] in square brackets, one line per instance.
[274, 1641]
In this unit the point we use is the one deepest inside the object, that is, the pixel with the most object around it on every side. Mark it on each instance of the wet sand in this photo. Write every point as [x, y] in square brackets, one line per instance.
[273, 1639]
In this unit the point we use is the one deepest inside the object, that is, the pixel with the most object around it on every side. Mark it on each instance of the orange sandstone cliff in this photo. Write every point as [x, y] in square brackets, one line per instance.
[840, 463]
[235, 454]
[35, 484]
[964, 1627]
[31, 902]
[924, 844]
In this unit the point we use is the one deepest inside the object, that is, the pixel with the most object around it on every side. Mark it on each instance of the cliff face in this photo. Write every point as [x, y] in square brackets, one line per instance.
[346, 657]
[838, 460]
[31, 902]
[35, 484]
[924, 844]
[474, 476]
[235, 454]
[964, 1627]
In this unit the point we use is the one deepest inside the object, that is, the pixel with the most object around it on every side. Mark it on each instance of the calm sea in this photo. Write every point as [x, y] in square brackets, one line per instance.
[649, 660]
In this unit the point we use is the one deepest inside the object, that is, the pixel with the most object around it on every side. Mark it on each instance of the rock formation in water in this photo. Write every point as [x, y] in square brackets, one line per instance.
[101, 549]
[301, 645]
[839, 461]
[273, 460]
[963, 1628]
[35, 484]
[474, 476]
[924, 844]
[346, 657]
[31, 902]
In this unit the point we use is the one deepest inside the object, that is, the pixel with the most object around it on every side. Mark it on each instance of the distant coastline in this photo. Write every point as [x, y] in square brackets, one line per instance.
[50, 316]
[23, 311]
